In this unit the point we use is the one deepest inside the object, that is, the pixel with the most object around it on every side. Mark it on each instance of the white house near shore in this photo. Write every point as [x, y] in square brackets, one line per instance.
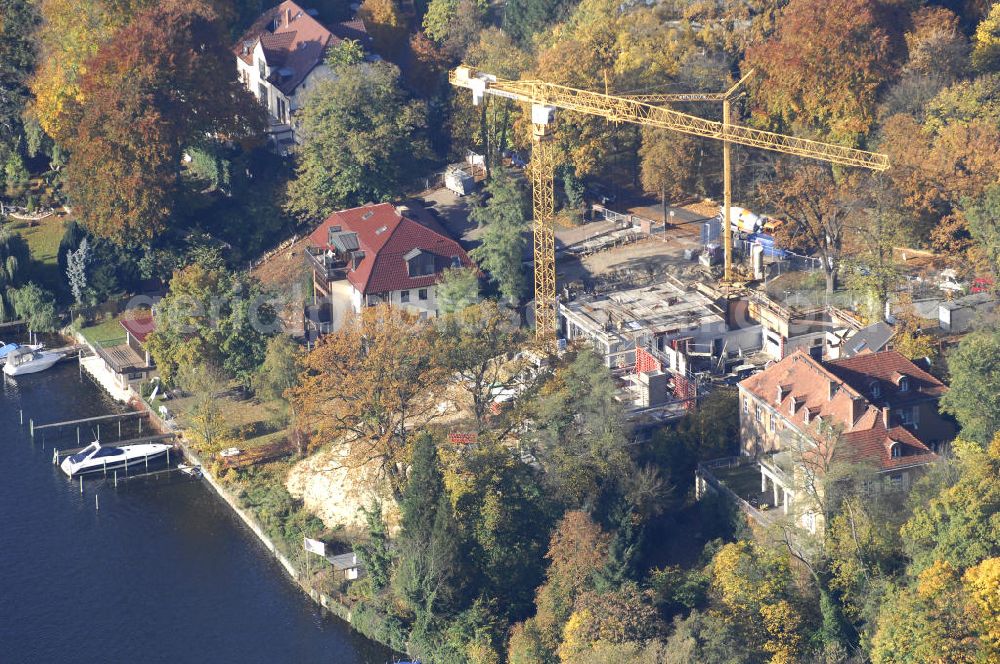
[386, 255]
[281, 57]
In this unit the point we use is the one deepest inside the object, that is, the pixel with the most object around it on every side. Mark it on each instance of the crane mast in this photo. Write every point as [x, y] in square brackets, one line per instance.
[545, 98]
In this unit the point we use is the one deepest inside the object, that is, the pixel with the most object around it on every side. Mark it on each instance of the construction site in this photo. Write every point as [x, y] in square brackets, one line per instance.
[675, 300]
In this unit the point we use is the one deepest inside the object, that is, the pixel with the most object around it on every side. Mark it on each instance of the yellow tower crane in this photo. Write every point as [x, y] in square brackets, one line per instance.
[545, 98]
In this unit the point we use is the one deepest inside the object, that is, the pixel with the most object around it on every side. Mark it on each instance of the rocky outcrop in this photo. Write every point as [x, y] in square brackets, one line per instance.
[336, 494]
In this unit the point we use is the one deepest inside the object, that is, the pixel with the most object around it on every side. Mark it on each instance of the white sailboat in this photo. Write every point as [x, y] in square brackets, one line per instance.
[96, 459]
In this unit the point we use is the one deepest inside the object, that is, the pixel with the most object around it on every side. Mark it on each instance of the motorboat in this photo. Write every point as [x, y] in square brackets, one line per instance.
[28, 360]
[7, 349]
[95, 458]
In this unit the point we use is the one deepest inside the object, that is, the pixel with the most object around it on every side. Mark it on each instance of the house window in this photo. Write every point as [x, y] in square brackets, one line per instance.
[876, 389]
[896, 450]
[906, 417]
[419, 263]
[757, 413]
[262, 93]
[282, 110]
[261, 69]
[404, 296]
[772, 420]
[904, 384]
[746, 406]
[422, 293]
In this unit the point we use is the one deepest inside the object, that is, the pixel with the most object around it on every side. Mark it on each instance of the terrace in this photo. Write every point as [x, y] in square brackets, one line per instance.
[330, 268]
[745, 482]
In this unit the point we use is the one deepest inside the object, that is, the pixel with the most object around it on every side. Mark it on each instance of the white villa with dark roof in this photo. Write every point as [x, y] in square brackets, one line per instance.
[281, 57]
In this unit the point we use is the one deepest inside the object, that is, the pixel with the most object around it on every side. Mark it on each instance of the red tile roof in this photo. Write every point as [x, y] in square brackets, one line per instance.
[138, 325]
[875, 444]
[386, 237]
[887, 367]
[839, 392]
[298, 43]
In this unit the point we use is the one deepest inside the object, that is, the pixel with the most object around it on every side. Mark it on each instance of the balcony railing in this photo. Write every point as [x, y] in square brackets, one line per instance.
[329, 267]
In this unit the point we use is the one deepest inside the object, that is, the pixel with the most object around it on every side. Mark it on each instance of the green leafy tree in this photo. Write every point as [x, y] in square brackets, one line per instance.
[36, 307]
[458, 289]
[579, 431]
[280, 369]
[961, 524]
[974, 397]
[986, 48]
[525, 18]
[346, 53]
[982, 217]
[667, 164]
[249, 320]
[505, 220]
[15, 175]
[361, 139]
[455, 24]
[211, 317]
[374, 553]
[18, 19]
[14, 258]
[430, 570]
[474, 343]
[507, 516]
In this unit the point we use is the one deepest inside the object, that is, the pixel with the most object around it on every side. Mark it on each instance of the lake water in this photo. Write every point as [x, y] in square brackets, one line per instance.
[162, 572]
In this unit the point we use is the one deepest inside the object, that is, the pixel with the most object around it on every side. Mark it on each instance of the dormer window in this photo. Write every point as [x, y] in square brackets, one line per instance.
[794, 405]
[895, 450]
[456, 262]
[904, 384]
[875, 389]
[419, 263]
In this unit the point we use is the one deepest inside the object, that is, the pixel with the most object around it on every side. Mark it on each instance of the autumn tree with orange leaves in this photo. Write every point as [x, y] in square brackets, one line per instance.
[816, 208]
[822, 69]
[367, 386]
[163, 84]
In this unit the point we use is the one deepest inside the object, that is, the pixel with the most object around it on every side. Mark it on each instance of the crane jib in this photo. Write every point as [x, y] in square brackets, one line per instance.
[631, 110]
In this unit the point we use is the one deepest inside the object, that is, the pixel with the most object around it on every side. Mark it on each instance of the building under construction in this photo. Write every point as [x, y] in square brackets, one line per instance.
[657, 337]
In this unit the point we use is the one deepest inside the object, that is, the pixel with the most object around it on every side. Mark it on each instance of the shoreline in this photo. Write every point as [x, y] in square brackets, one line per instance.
[334, 606]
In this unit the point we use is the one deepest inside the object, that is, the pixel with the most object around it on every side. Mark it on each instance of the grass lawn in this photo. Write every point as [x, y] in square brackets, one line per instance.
[250, 419]
[43, 238]
[104, 332]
